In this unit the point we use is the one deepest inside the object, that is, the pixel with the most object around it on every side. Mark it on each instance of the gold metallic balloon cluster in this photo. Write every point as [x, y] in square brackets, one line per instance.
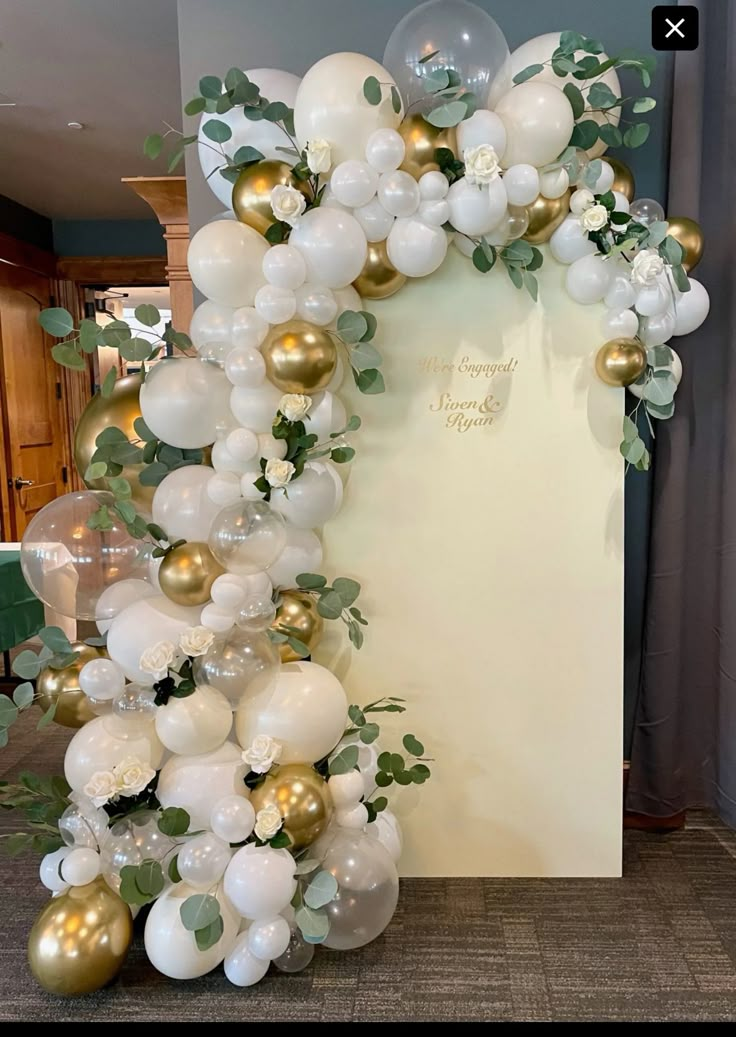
[298, 612]
[73, 708]
[621, 361]
[300, 357]
[690, 236]
[252, 192]
[303, 800]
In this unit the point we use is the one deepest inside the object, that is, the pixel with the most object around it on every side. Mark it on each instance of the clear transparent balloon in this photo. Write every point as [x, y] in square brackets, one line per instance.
[247, 537]
[244, 663]
[297, 955]
[137, 703]
[256, 614]
[83, 824]
[646, 211]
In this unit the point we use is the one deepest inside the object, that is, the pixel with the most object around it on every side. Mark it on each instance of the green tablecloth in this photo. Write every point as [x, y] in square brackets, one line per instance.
[21, 614]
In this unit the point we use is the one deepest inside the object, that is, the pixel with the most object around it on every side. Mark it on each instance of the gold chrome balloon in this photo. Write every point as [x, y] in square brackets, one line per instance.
[80, 940]
[73, 708]
[690, 236]
[298, 611]
[303, 799]
[379, 278]
[252, 192]
[545, 216]
[120, 410]
[623, 178]
[300, 357]
[621, 361]
[421, 140]
[187, 573]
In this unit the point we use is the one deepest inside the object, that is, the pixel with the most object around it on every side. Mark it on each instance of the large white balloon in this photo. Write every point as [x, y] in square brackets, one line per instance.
[539, 122]
[333, 244]
[327, 414]
[196, 724]
[483, 127]
[225, 259]
[181, 505]
[256, 408]
[416, 248]
[305, 712]
[172, 949]
[198, 783]
[141, 625]
[183, 400]
[266, 137]
[475, 210]
[570, 242]
[619, 324]
[302, 554]
[117, 597]
[588, 279]
[106, 741]
[312, 499]
[260, 881]
[330, 104]
[691, 308]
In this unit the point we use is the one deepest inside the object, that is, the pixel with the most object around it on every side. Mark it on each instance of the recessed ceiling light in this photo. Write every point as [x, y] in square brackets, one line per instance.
[75, 125]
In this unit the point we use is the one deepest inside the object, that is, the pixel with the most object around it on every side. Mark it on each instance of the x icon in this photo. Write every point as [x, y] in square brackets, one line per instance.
[674, 28]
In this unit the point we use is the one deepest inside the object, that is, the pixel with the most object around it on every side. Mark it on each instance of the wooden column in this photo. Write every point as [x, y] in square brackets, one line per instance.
[167, 196]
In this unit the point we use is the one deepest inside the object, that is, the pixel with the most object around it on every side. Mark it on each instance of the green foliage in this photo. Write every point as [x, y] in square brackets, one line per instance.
[336, 601]
[40, 800]
[321, 890]
[141, 883]
[174, 821]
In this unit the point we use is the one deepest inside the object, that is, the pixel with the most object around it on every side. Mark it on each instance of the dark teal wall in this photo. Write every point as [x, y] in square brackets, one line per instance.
[108, 238]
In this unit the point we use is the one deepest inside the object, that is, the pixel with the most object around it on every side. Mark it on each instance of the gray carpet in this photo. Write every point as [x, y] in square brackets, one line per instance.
[659, 944]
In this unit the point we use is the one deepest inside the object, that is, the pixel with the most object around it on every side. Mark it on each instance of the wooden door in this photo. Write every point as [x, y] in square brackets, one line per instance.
[34, 466]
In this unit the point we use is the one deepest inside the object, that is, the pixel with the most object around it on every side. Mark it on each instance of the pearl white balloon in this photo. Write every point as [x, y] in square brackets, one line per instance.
[80, 866]
[269, 938]
[588, 279]
[538, 121]
[102, 679]
[387, 831]
[117, 597]
[622, 202]
[313, 498]
[224, 464]
[354, 183]
[181, 505]
[315, 304]
[196, 724]
[248, 482]
[302, 554]
[619, 324]
[398, 193]
[621, 293]
[260, 881]
[203, 859]
[305, 712]
[284, 267]
[374, 220]
[228, 591]
[242, 444]
[570, 242]
[675, 368]
[433, 186]
[653, 300]
[355, 817]
[275, 305]
[436, 213]
[255, 408]
[475, 210]
[553, 183]
[483, 127]
[330, 104]
[347, 299]
[270, 447]
[691, 308]
[245, 366]
[182, 402]
[327, 414]
[142, 625]
[210, 329]
[172, 949]
[385, 150]
[415, 248]
[463, 244]
[225, 261]
[333, 245]
[220, 620]
[197, 783]
[248, 328]
[232, 818]
[346, 789]
[242, 967]
[521, 183]
[655, 331]
[605, 180]
[49, 872]
[105, 742]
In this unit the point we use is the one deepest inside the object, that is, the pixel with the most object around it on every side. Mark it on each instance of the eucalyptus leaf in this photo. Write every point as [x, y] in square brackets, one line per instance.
[8, 711]
[365, 356]
[108, 383]
[199, 911]
[55, 639]
[576, 99]
[147, 314]
[351, 326]
[330, 605]
[174, 821]
[310, 581]
[321, 890]
[636, 135]
[528, 73]
[313, 925]
[447, 115]
[23, 695]
[66, 355]
[217, 131]
[372, 90]
[209, 935]
[153, 145]
[345, 761]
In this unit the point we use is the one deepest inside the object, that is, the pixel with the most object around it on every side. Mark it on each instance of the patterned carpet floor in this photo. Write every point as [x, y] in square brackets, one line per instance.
[659, 944]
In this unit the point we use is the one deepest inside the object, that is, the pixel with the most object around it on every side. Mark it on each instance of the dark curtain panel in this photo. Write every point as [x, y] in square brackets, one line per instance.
[684, 743]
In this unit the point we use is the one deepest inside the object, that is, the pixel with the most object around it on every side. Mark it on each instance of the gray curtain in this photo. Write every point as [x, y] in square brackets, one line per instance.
[684, 743]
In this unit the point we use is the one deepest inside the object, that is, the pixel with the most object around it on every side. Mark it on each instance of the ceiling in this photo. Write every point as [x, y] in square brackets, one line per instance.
[112, 65]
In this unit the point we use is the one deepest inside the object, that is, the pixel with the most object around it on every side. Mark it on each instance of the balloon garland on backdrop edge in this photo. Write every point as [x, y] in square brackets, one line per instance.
[195, 548]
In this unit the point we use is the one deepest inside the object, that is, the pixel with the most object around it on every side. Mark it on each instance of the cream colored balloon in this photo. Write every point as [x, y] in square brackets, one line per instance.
[198, 723]
[539, 122]
[172, 949]
[330, 104]
[106, 741]
[143, 624]
[197, 783]
[225, 260]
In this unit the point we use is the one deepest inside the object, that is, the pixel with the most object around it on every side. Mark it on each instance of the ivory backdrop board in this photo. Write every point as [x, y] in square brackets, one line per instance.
[484, 520]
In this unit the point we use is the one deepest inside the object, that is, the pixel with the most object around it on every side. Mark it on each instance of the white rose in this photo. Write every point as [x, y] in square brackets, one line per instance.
[157, 659]
[196, 641]
[279, 473]
[648, 265]
[481, 164]
[101, 788]
[294, 406]
[595, 217]
[262, 754]
[581, 200]
[319, 157]
[287, 203]
[268, 822]
[132, 775]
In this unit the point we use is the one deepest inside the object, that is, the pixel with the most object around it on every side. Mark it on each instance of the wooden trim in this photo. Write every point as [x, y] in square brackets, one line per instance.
[112, 270]
[21, 253]
[167, 196]
[76, 386]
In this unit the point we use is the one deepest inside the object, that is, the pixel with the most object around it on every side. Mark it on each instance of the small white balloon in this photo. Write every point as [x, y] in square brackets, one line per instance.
[570, 242]
[269, 938]
[385, 150]
[352, 817]
[588, 279]
[242, 967]
[415, 248]
[80, 866]
[475, 210]
[374, 220]
[210, 329]
[483, 127]
[233, 819]
[653, 300]
[433, 186]
[315, 304]
[675, 368]
[553, 183]
[622, 202]
[224, 461]
[333, 245]
[219, 619]
[248, 328]
[198, 723]
[605, 180]
[655, 331]
[255, 408]
[203, 859]
[691, 308]
[228, 591]
[354, 183]
[270, 447]
[224, 488]
[398, 193]
[101, 679]
[242, 444]
[619, 324]
[49, 870]
[621, 293]
[275, 305]
[284, 267]
[434, 212]
[522, 184]
[346, 789]
[259, 881]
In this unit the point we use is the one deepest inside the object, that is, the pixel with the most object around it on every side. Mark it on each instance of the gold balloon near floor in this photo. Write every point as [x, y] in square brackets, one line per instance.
[621, 361]
[379, 278]
[73, 708]
[298, 611]
[252, 192]
[119, 410]
[623, 178]
[300, 357]
[80, 940]
[187, 573]
[545, 216]
[421, 140]
[303, 800]
[690, 236]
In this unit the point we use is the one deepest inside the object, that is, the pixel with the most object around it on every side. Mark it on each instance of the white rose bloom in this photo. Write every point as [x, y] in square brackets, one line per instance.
[294, 406]
[319, 157]
[287, 203]
[157, 659]
[481, 164]
[196, 641]
[262, 754]
[647, 267]
[132, 775]
[268, 822]
[101, 788]
[279, 473]
[595, 217]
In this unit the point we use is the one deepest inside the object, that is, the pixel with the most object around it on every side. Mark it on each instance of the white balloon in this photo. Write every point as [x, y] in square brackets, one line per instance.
[275, 305]
[49, 870]
[228, 591]
[691, 308]
[248, 482]
[327, 414]
[538, 121]
[255, 408]
[387, 831]
[347, 299]
[181, 505]
[210, 329]
[221, 620]
[316, 305]
[225, 259]
[232, 818]
[675, 368]
[374, 220]
[355, 816]
[224, 464]
[284, 267]
[271, 448]
[465, 246]
[203, 859]
[398, 193]
[117, 597]
[476, 210]
[588, 279]
[346, 789]
[605, 180]
[313, 498]
[483, 127]
[141, 625]
[385, 150]
[172, 949]
[242, 444]
[197, 783]
[330, 104]
[302, 554]
[553, 183]
[305, 712]
[196, 724]
[653, 300]
[269, 938]
[248, 328]
[436, 212]
[622, 202]
[619, 324]
[415, 248]
[570, 242]
[354, 183]
[105, 742]
[102, 679]
[260, 881]
[333, 245]
[182, 401]
[433, 186]
[244, 365]
[242, 967]
[621, 293]
[81, 866]
[655, 331]
[521, 183]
